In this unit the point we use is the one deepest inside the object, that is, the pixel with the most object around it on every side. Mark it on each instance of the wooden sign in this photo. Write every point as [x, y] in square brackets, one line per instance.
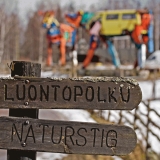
[78, 93]
[66, 137]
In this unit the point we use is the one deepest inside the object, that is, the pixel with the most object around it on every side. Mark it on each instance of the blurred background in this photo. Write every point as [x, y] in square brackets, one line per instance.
[22, 38]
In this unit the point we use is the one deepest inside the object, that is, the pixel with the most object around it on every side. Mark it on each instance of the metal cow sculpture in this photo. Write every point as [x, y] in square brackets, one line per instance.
[136, 24]
[60, 34]
[64, 34]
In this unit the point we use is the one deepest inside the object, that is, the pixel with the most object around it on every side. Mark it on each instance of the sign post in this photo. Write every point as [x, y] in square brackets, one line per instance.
[25, 69]
[23, 134]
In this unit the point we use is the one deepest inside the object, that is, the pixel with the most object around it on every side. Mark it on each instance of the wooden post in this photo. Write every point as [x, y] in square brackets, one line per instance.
[22, 68]
[120, 117]
[147, 133]
[135, 119]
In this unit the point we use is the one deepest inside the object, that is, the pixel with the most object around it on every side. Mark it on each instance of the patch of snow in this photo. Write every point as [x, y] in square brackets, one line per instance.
[46, 74]
[146, 88]
[50, 156]
[77, 115]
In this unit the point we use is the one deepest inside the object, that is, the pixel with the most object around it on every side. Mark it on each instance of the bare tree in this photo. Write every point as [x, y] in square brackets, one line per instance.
[2, 33]
[9, 30]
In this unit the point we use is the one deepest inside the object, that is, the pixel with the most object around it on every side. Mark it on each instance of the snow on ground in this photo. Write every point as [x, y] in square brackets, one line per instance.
[77, 115]
[146, 87]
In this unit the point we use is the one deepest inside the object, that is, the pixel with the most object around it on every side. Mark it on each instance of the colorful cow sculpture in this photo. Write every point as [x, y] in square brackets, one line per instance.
[107, 24]
[60, 34]
[64, 34]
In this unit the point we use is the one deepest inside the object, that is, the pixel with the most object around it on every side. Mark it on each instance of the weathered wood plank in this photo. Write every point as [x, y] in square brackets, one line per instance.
[65, 137]
[78, 93]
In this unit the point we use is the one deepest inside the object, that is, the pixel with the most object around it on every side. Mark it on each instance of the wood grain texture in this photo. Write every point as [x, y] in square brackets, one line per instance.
[65, 137]
[24, 68]
[78, 93]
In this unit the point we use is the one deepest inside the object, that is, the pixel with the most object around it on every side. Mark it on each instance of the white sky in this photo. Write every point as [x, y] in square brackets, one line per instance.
[25, 5]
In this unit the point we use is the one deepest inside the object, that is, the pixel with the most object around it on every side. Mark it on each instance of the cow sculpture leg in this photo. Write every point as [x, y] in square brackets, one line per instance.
[63, 52]
[49, 54]
[113, 53]
[90, 53]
